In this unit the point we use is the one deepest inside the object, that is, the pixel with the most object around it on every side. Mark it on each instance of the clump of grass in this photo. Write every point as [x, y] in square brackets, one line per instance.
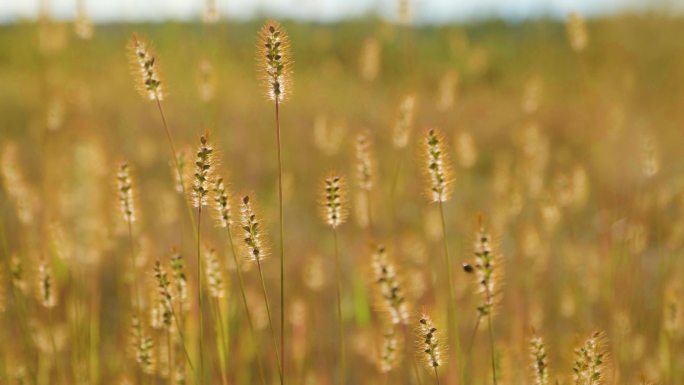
[334, 214]
[149, 84]
[275, 68]
[590, 361]
[223, 210]
[430, 347]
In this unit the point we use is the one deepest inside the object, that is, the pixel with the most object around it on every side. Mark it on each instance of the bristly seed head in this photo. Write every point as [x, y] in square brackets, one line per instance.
[364, 161]
[405, 117]
[214, 275]
[164, 295]
[539, 361]
[429, 345]
[126, 198]
[438, 166]
[333, 203]
[222, 203]
[387, 280]
[204, 162]
[143, 346]
[590, 361]
[388, 353]
[273, 57]
[487, 270]
[145, 69]
[179, 279]
[253, 237]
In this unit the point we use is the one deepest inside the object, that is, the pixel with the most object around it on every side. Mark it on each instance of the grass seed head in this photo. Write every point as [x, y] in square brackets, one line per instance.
[437, 166]
[126, 193]
[590, 361]
[145, 69]
[333, 201]
[430, 347]
[364, 161]
[540, 364]
[389, 287]
[274, 61]
[204, 167]
[253, 233]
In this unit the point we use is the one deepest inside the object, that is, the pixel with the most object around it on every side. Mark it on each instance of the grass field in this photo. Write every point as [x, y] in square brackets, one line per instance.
[521, 189]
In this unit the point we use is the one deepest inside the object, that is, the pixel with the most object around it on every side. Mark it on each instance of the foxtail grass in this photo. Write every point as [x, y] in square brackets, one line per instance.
[334, 213]
[204, 167]
[255, 244]
[438, 173]
[275, 66]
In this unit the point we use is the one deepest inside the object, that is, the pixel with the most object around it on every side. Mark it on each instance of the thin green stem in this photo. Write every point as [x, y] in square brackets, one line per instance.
[131, 244]
[223, 351]
[491, 345]
[416, 372]
[436, 375]
[340, 322]
[199, 295]
[270, 321]
[244, 301]
[282, 247]
[174, 155]
[169, 353]
[452, 300]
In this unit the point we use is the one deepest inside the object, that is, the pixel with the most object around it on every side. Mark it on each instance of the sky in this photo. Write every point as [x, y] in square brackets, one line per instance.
[424, 11]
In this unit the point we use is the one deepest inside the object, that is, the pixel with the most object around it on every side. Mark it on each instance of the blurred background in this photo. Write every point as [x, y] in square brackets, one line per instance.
[562, 119]
[424, 11]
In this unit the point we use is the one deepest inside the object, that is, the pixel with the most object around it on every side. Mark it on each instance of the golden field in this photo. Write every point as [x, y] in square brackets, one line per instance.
[556, 181]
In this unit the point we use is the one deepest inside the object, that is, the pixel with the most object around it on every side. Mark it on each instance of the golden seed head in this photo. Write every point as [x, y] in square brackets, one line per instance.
[164, 310]
[389, 287]
[333, 201]
[251, 226]
[590, 361]
[437, 166]
[125, 190]
[180, 282]
[388, 352]
[206, 80]
[145, 69]
[487, 270]
[404, 122]
[364, 161]
[214, 274]
[222, 203]
[274, 61]
[429, 346]
[143, 346]
[204, 163]
[540, 364]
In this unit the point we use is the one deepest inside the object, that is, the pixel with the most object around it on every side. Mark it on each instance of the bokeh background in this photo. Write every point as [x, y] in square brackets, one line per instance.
[571, 151]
